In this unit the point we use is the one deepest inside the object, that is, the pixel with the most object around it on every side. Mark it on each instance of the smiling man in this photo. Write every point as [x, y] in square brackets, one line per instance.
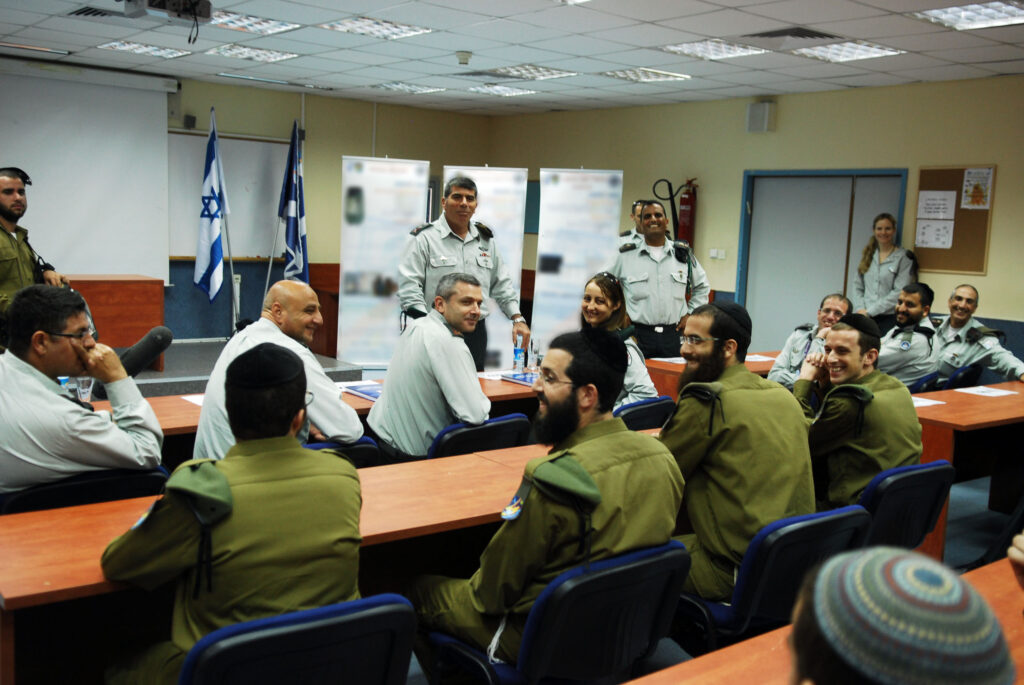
[431, 380]
[808, 338]
[291, 315]
[962, 340]
[867, 422]
[906, 349]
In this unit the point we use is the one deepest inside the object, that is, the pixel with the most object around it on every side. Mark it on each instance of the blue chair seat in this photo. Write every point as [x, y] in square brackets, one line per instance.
[362, 453]
[651, 412]
[511, 430]
[905, 502]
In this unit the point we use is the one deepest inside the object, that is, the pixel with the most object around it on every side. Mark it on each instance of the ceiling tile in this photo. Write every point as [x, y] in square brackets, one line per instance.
[877, 28]
[652, 10]
[452, 41]
[508, 31]
[173, 40]
[872, 80]
[950, 72]
[818, 70]
[805, 12]
[725, 23]
[334, 39]
[995, 53]
[1005, 34]
[645, 35]
[752, 77]
[293, 12]
[56, 39]
[656, 59]
[86, 28]
[944, 40]
[807, 86]
[428, 16]
[494, 8]
[578, 45]
[578, 17]
[520, 54]
[14, 16]
[359, 57]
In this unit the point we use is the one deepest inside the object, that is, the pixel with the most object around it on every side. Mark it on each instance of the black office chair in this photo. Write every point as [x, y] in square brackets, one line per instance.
[964, 377]
[770, 575]
[365, 641]
[651, 412]
[590, 622]
[362, 453]
[511, 430]
[905, 502]
[996, 550]
[926, 383]
[86, 488]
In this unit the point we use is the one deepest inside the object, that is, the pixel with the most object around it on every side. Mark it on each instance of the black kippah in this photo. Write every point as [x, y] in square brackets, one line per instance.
[737, 313]
[608, 346]
[864, 324]
[265, 366]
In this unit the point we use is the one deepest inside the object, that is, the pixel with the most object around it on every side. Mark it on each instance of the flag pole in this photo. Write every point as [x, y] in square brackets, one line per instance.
[270, 261]
[231, 271]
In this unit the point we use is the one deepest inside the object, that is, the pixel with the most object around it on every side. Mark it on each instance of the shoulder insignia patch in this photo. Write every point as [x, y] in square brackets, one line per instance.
[626, 232]
[627, 247]
[484, 229]
[419, 229]
[681, 250]
[805, 327]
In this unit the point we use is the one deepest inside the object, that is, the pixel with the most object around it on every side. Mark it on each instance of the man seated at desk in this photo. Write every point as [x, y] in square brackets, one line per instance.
[47, 433]
[431, 380]
[866, 422]
[808, 338]
[276, 526]
[602, 490]
[906, 348]
[291, 315]
[962, 340]
[741, 443]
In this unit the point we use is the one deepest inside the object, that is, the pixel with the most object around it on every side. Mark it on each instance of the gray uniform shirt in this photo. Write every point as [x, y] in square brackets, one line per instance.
[436, 251]
[906, 354]
[431, 383]
[656, 290]
[637, 384]
[951, 350]
[878, 289]
[799, 344]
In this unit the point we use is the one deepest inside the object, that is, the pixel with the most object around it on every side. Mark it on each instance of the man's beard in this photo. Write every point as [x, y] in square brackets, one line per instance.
[707, 370]
[559, 422]
[8, 215]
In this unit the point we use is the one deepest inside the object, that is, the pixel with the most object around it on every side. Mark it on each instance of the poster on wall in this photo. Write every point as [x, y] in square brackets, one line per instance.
[501, 206]
[382, 200]
[578, 237]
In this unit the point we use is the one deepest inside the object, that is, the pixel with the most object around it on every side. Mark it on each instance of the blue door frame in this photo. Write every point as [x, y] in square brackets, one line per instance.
[746, 212]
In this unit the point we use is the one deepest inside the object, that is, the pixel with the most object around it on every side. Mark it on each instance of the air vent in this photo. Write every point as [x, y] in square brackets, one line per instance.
[793, 32]
[123, 18]
[789, 38]
[89, 13]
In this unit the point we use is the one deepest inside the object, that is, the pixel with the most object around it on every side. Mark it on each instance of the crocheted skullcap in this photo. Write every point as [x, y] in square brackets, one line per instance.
[902, 618]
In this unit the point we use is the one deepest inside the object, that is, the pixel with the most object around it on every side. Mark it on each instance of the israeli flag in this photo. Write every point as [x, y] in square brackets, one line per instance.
[292, 210]
[209, 273]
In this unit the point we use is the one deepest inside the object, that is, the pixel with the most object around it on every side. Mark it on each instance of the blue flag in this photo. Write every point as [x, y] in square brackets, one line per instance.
[209, 273]
[292, 210]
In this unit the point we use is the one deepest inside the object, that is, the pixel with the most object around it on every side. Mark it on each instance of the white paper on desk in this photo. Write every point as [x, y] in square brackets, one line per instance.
[351, 384]
[758, 358]
[925, 402]
[490, 375]
[670, 360]
[194, 399]
[986, 391]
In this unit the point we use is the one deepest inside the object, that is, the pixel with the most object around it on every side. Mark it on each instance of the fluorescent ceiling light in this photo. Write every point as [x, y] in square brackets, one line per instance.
[646, 75]
[504, 91]
[33, 48]
[254, 54]
[407, 88]
[713, 48]
[980, 16]
[254, 78]
[142, 49]
[250, 24]
[378, 28]
[847, 52]
[532, 72]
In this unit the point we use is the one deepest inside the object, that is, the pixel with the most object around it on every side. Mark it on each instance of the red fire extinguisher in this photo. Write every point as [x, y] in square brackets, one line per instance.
[687, 211]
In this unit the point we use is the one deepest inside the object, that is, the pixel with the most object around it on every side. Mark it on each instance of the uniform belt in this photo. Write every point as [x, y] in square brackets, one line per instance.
[394, 456]
[657, 328]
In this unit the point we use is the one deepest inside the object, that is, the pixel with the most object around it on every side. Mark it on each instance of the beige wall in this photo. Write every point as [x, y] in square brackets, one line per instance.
[951, 123]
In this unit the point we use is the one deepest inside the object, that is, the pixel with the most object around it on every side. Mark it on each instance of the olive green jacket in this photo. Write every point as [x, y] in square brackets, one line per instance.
[17, 265]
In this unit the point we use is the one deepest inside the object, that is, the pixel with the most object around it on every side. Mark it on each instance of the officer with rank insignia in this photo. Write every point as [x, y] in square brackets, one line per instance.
[962, 340]
[633, 234]
[906, 348]
[454, 244]
[656, 275]
[808, 338]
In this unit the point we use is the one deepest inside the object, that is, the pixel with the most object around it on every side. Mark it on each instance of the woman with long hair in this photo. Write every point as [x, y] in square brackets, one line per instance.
[604, 307]
[884, 269]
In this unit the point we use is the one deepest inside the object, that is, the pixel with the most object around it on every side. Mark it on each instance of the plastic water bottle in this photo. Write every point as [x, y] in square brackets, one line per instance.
[518, 356]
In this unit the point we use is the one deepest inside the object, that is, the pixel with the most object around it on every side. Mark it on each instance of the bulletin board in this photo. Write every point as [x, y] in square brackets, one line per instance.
[952, 237]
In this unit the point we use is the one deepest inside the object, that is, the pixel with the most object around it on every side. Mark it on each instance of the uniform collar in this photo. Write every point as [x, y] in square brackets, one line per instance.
[472, 235]
[24, 368]
[248, 448]
[598, 429]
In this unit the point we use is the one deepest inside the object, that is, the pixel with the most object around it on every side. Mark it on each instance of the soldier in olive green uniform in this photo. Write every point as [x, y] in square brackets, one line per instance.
[740, 442]
[621, 487]
[277, 525]
[866, 423]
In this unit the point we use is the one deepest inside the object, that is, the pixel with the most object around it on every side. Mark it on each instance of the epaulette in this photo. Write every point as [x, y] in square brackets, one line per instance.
[681, 249]
[627, 247]
[564, 480]
[975, 334]
[205, 488]
[708, 393]
[626, 232]
[419, 229]
[484, 229]
[924, 330]
[936, 320]
[805, 327]
[861, 394]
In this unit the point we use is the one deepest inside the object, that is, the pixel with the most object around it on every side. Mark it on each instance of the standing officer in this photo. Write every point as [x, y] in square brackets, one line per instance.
[454, 244]
[633, 234]
[656, 275]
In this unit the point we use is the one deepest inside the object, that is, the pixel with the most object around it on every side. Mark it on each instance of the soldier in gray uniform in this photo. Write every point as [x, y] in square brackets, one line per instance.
[906, 349]
[962, 340]
[656, 276]
[452, 243]
[633, 234]
[808, 338]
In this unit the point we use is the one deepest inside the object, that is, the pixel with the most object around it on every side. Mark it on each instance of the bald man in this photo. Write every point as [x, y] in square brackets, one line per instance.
[291, 315]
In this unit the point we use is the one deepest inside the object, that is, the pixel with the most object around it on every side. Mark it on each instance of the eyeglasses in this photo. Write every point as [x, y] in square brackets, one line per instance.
[90, 332]
[549, 379]
[309, 399]
[694, 340]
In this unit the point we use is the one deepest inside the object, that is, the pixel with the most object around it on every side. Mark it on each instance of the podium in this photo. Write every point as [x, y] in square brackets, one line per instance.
[124, 306]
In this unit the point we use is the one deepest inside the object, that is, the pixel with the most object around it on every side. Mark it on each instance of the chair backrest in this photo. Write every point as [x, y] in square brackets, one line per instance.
[780, 555]
[964, 377]
[905, 502]
[926, 383]
[651, 412]
[363, 452]
[86, 488]
[511, 430]
[597, 620]
[365, 641]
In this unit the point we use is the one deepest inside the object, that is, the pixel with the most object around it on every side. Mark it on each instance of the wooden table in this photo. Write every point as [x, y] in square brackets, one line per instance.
[766, 659]
[665, 375]
[124, 307]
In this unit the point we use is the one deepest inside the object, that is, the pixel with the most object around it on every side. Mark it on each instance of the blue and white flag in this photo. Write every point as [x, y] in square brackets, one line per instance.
[292, 210]
[209, 273]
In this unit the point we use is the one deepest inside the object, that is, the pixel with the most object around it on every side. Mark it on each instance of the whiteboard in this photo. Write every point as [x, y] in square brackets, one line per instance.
[253, 171]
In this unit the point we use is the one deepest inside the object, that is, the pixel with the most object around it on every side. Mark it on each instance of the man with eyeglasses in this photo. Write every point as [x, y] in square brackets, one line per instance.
[269, 529]
[47, 433]
[808, 338]
[741, 443]
[290, 318]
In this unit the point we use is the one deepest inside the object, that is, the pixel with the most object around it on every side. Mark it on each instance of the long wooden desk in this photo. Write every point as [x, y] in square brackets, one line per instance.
[766, 660]
[665, 375]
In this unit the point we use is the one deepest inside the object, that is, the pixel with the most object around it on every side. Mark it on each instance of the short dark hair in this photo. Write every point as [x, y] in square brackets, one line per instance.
[648, 203]
[837, 296]
[39, 308]
[865, 341]
[587, 367]
[460, 182]
[725, 327]
[256, 413]
[922, 289]
[446, 286]
[15, 172]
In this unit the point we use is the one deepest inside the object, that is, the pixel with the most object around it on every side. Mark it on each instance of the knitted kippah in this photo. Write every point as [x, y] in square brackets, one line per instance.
[265, 366]
[900, 617]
